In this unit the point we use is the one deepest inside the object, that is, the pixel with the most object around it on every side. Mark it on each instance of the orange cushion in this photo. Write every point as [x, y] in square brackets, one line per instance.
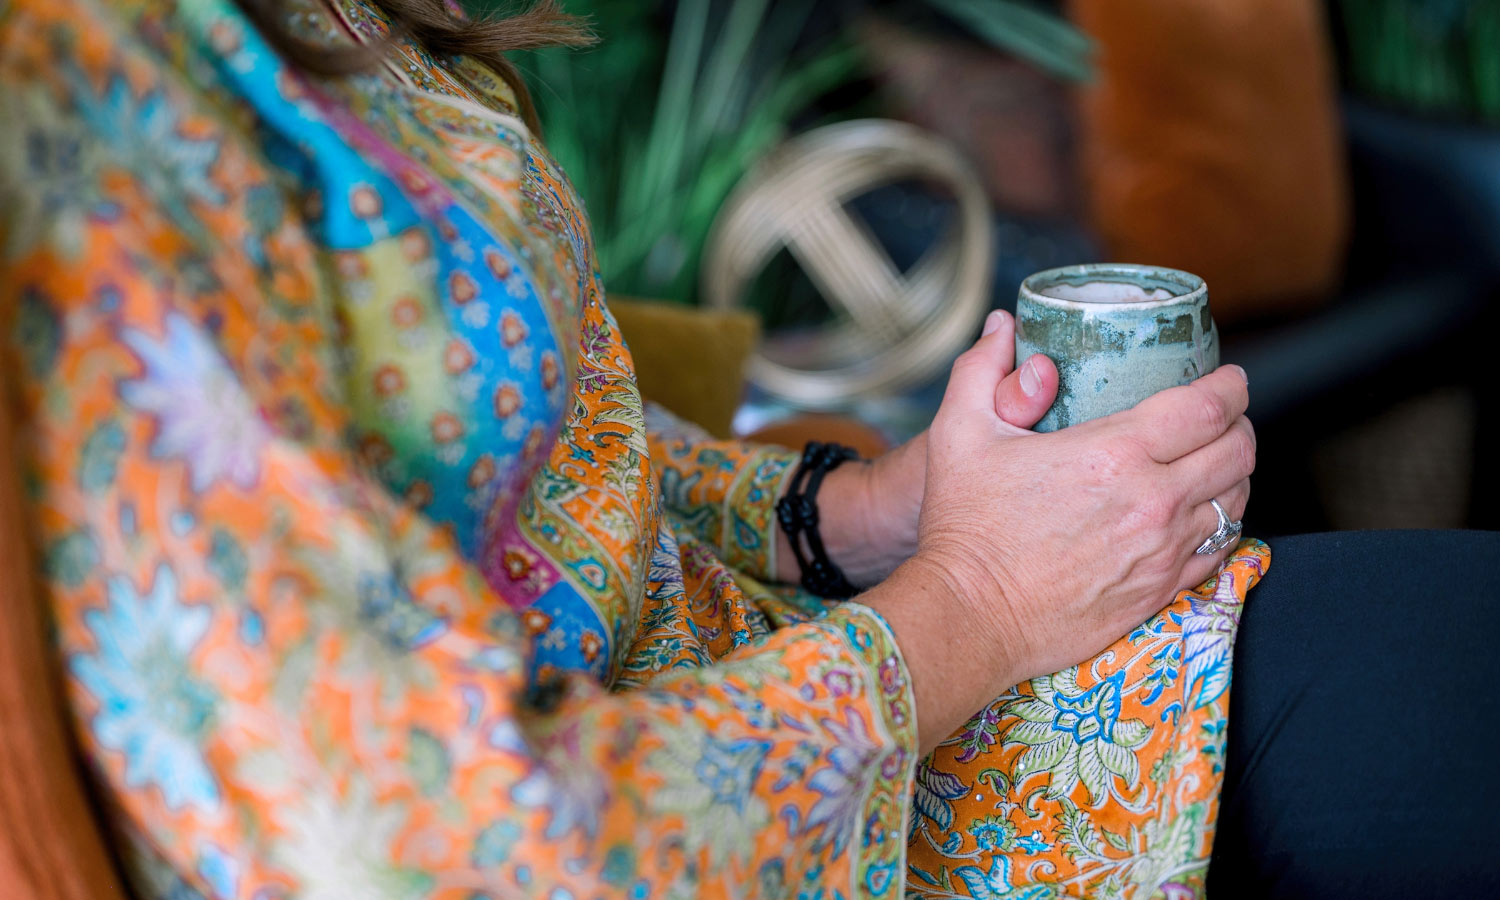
[1211, 143]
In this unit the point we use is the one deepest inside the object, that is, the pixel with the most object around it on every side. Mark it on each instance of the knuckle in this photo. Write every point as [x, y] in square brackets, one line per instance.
[1243, 449]
[1157, 510]
[1133, 446]
[1239, 495]
[1172, 495]
[1213, 411]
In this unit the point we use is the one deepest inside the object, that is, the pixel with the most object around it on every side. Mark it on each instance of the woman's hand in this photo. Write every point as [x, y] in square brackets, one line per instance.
[1036, 551]
[870, 512]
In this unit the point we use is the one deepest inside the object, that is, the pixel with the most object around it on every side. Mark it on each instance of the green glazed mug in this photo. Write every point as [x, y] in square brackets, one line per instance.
[1118, 333]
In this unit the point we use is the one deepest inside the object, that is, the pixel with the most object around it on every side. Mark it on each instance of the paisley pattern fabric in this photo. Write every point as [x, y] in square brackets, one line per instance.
[1099, 781]
[374, 577]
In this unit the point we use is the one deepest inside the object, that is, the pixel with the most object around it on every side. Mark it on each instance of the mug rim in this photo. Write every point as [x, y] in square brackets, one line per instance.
[1126, 273]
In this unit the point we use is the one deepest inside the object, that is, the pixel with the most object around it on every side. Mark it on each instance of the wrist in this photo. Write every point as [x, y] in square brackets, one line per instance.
[847, 510]
[844, 527]
[974, 598]
[873, 514]
[956, 651]
[867, 516]
[896, 484]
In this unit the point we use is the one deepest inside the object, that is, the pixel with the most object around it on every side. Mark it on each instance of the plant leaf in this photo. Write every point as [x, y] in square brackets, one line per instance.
[1036, 36]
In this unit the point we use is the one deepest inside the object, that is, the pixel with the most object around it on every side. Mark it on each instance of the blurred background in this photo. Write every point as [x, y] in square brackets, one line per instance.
[1332, 169]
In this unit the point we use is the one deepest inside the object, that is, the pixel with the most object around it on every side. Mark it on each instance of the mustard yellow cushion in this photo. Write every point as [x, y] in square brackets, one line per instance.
[690, 360]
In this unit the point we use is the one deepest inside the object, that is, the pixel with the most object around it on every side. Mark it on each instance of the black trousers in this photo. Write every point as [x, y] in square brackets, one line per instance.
[1364, 724]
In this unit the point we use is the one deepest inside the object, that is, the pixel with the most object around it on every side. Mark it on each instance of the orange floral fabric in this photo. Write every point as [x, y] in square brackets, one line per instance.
[373, 576]
[353, 535]
[1098, 781]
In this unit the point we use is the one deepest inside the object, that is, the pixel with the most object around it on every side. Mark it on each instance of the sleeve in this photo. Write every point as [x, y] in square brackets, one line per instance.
[722, 491]
[287, 682]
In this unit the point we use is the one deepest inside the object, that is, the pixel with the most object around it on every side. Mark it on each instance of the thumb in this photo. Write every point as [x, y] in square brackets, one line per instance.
[978, 371]
[1024, 397]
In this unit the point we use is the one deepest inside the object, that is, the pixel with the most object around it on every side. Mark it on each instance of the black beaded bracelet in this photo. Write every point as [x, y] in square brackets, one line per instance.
[798, 514]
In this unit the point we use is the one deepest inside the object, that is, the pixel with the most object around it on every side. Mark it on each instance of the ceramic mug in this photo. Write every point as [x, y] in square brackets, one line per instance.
[1118, 333]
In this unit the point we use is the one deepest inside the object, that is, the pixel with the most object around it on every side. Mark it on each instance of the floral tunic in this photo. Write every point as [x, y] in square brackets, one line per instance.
[374, 578]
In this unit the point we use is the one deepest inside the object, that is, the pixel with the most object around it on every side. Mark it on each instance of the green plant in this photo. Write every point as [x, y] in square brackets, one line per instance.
[1436, 57]
[1027, 31]
[655, 130]
[654, 133]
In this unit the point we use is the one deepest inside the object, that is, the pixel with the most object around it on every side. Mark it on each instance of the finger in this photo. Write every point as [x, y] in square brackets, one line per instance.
[1025, 395]
[1205, 521]
[978, 370]
[1180, 420]
[1207, 471]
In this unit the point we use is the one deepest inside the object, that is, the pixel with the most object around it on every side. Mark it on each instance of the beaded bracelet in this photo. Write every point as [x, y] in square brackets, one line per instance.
[798, 514]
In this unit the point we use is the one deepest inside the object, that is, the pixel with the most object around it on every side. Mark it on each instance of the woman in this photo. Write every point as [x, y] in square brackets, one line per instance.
[373, 579]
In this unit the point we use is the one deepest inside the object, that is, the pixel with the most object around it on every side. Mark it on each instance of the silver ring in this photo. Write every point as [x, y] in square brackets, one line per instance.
[1228, 533]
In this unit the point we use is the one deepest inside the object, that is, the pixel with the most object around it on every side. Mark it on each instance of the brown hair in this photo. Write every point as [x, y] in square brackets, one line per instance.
[485, 39]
